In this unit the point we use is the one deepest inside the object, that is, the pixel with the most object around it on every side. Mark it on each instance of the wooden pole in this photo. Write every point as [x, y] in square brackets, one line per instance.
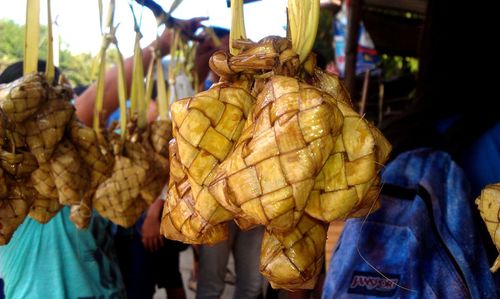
[380, 103]
[364, 93]
[353, 24]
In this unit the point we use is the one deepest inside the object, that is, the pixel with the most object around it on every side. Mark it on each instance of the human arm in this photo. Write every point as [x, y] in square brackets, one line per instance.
[84, 104]
[151, 237]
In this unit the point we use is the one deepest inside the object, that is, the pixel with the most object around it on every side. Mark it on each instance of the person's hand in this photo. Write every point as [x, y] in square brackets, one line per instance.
[205, 50]
[188, 28]
[151, 237]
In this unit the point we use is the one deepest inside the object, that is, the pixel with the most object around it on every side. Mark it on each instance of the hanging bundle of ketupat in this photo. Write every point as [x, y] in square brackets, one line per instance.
[49, 159]
[489, 207]
[275, 143]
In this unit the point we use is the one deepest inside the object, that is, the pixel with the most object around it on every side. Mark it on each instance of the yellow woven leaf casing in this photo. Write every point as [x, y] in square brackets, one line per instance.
[156, 179]
[206, 128]
[272, 53]
[155, 167]
[19, 164]
[122, 188]
[126, 218]
[99, 164]
[161, 133]
[21, 98]
[489, 207]
[98, 161]
[348, 185]
[180, 219]
[283, 147]
[3, 129]
[43, 209]
[46, 128]
[43, 181]
[293, 260]
[69, 173]
[118, 197]
[157, 173]
[3, 184]
[137, 152]
[81, 213]
[332, 85]
[350, 171]
[14, 134]
[14, 208]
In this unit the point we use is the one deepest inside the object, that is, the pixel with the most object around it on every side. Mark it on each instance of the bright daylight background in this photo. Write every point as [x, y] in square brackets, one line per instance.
[77, 21]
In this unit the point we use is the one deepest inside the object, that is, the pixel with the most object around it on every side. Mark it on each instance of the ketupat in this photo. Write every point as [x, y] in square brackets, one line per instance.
[293, 260]
[81, 213]
[20, 164]
[14, 134]
[69, 173]
[282, 149]
[43, 181]
[332, 85]
[290, 119]
[489, 207]
[161, 133]
[33, 119]
[47, 126]
[97, 164]
[43, 209]
[125, 219]
[122, 188]
[157, 176]
[138, 149]
[3, 184]
[156, 179]
[180, 219]
[348, 184]
[21, 98]
[118, 197]
[3, 129]
[206, 128]
[97, 159]
[14, 208]
[15, 157]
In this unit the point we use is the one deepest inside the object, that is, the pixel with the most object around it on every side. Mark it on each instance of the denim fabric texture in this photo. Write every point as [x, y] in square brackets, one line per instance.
[423, 238]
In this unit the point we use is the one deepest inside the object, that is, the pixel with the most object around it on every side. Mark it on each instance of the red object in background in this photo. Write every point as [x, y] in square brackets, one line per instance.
[331, 68]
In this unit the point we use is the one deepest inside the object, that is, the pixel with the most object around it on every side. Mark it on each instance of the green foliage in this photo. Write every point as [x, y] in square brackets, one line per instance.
[111, 56]
[11, 44]
[76, 67]
[323, 43]
[394, 66]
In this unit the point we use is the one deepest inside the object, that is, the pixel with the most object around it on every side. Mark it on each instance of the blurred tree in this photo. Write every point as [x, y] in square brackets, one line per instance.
[76, 67]
[11, 43]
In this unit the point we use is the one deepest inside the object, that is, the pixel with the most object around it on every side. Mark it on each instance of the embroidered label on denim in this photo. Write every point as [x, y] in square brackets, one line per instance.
[372, 283]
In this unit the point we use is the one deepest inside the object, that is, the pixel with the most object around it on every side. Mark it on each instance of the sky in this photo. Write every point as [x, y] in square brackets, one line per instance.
[78, 20]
